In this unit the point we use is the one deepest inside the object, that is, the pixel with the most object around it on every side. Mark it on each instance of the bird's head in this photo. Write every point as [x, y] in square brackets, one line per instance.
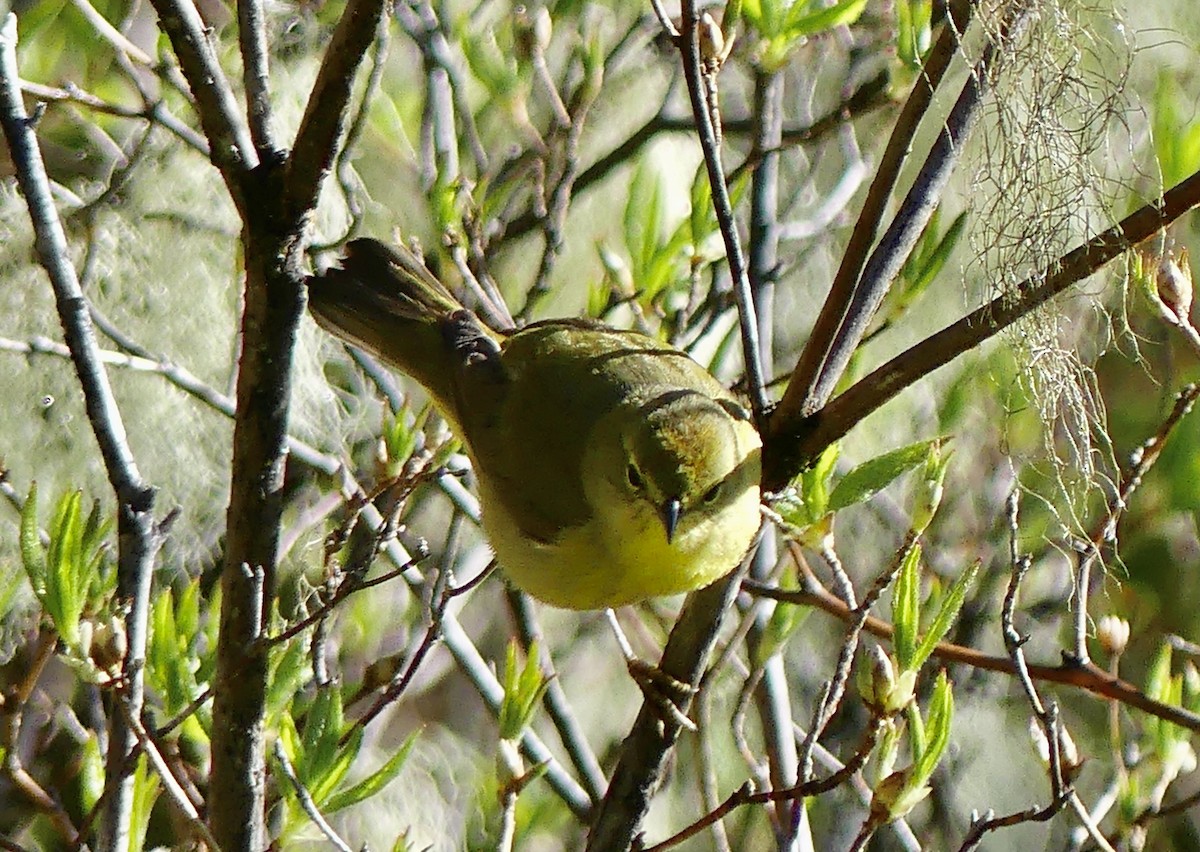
[687, 457]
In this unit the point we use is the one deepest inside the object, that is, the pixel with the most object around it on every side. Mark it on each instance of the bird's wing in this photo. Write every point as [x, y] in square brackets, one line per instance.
[529, 434]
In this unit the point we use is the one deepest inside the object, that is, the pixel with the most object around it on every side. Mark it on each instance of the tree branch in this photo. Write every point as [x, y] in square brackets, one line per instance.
[325, 114]
[1088, 676]
[809, 378]
[790, 445]
[845, 316]
[232, 150]
[137, 535]
[252, 39]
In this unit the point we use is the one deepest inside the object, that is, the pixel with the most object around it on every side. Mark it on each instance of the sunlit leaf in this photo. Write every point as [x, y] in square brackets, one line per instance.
[876, 474]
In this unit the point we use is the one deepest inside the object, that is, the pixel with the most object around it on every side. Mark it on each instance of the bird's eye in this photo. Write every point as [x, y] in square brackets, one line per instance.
[634, 476]
[711, 495]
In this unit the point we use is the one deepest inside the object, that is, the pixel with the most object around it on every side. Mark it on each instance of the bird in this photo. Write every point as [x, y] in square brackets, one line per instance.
[611, 467]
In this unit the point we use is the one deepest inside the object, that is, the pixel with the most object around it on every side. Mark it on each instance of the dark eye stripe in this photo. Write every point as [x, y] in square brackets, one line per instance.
[635, 476]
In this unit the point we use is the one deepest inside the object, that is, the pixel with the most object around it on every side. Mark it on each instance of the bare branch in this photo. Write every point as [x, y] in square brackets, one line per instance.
[306, 801]
[791, 443]
[815, 360]
[329, 104]
[693, 71]
[138, 541]
[846, 315]
[1088, 677]
[232, 150]
[252, 38]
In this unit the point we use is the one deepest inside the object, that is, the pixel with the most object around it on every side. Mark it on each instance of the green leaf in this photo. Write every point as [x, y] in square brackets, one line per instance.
[702, 219]
[32, 554]
[524, 687]
[290, 672]
[916, 731]
[91, 773]
[374, 782]
[1158, 678]
[906, 608]
[800, 23]
[752, 13]
[784, 621]
[401, 438]
[817, 478]
[67, 575]
[322, 729]
[289, 738]
[1162, 687]
[172, 655]
[875, 474]
[937, 728]
[146, 787]
[930, 257]
[947, 613]
[643, 220]
[772, 17]
[328, 776]
[913, 31]
[187, 611]
[810, 490]
[489, 65]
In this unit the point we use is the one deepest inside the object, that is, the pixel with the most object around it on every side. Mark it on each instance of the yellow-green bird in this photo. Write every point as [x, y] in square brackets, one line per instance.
[612, 467]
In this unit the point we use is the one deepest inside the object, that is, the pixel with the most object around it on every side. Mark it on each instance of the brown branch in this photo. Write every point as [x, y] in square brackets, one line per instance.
[697, 76]
[743, 795]
[12, 718]
[152, 111]
[1143, 459]
[231, 148]
[1088, 677]
[252, 39]
[644, 755]
[791, 443]
[325, 114]
[805, 391]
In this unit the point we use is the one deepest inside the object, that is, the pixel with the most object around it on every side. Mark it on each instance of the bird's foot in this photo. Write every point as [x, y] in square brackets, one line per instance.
[665, 694]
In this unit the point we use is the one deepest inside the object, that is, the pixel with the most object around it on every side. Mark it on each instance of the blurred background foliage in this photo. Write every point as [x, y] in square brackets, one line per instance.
[1093, 117]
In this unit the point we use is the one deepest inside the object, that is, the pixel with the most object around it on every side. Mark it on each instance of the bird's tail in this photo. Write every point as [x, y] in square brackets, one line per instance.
[385, 301]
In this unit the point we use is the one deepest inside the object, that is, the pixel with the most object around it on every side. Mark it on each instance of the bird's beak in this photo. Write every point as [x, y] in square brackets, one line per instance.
[670, 516]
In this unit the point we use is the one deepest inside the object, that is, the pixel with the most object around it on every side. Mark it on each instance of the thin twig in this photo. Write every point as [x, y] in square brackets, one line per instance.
[574, 740]
[306, 801]
[468, 658]
[175, 792]
[1046, 715]
[12, 719]
[184, 714]
[423, 25]
[153, 112]
[554, 222]
[344, 168]
[231, 148]
[1141, 461]
[814, 362]
[693, 70]
[833, 695]
[743, 795]
[111, 34]
[847, 315]
[644, 753]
